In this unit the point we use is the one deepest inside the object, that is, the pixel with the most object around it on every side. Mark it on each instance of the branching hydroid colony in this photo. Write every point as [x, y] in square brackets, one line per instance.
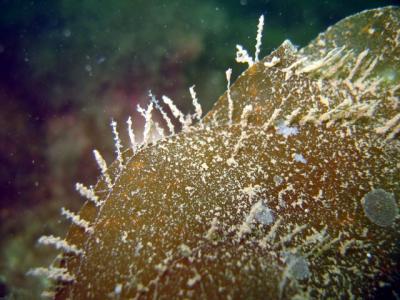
[288, 188]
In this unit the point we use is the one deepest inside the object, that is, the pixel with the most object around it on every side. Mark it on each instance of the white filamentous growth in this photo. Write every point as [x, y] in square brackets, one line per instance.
[74, 218]
[359, 82]
[185, 122]
[243, 135]
[393, 133]
[148, 125]
[388, 125]
[272, 118]
[357, 65]
[228, 92]
[242, 56]
[159, 130]
[132, 138]
[198, 110]
[259, 37]
[275, 60]
[188, 122]
[59, 243]
[103, 168]
[392, 125]
[88, 193]
[245, 115]
[53, 273]
[289, 118]
[141, 111]
[118, 145]
[332, 55]
[289, 70]
[167, 119]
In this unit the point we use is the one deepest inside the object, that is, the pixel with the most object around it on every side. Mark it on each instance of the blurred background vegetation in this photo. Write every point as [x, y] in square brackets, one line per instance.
[67, 67]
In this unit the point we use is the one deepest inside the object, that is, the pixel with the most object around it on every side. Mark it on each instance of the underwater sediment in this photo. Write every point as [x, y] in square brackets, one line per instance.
[287, 189]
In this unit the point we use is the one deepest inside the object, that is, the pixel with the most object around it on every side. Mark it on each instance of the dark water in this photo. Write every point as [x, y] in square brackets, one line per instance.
[68, 67]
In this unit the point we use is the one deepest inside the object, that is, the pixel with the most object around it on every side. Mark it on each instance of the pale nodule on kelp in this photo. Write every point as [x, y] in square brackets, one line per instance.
[287, 189]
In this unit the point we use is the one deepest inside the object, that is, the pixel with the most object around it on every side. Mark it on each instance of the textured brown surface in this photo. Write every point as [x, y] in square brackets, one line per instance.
[184, 217]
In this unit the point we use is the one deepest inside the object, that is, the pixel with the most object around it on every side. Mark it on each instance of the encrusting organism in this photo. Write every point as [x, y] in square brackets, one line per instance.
[287, 189]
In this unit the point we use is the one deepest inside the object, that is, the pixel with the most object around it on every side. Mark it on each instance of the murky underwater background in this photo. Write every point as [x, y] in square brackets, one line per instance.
[68, 67]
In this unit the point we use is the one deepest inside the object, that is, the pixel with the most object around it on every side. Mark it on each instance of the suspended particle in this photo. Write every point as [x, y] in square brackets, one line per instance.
[260, 213]
[380, 207]
[300, 268]
[278, 180]
[299, 158]
[297, 266]
[285, 130]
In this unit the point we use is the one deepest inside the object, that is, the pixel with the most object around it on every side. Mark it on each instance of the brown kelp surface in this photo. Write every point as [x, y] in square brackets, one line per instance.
[288, 188]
